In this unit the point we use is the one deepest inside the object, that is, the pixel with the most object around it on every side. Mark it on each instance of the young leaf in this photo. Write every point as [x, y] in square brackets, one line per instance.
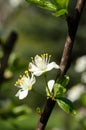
[62, 3]
[46, 4]
[62, 7]
[59, 7]
[60, 12]
[59, 90]
[63, 80]
[66, 105]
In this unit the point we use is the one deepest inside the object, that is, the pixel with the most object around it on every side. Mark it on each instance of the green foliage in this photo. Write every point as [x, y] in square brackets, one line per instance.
[43, 4]
[60, 86]
[59, 90]
[59, 7]
[64, 80]
[66, 105]
[62, 6]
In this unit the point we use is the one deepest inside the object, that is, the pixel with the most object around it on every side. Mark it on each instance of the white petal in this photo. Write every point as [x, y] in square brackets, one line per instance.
[52, 65]
[33, 79]
[32, 67]
[38, 73]
[38, 59]
[22, 94]
[51, 84]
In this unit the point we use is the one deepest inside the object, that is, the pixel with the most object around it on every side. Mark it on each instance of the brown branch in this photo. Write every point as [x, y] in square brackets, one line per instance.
[73, 23]
[7, 49]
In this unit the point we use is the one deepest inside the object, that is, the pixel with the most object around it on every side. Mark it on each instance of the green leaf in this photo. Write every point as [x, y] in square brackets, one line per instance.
[62, 3]
[46, 4]
[64, 80]
[60, 12]
[59, 90]
[59, 7]
[66, 105]
[62, 7]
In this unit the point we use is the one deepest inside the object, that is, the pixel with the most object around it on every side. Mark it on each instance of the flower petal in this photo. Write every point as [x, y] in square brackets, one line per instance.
[33, 79]
[32, 67]
[52, 65]
[38, 59]
[51, 84]
[38, 73]
[22, 94]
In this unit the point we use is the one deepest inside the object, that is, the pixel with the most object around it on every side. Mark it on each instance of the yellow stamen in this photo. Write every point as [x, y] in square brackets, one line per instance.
[32, 59]
[26, 73]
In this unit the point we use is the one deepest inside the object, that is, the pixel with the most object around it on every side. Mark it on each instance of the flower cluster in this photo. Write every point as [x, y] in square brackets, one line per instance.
[40, 64]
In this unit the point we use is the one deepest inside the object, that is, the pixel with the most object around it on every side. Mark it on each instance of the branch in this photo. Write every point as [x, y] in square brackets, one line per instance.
[7, 49]
[73, 23]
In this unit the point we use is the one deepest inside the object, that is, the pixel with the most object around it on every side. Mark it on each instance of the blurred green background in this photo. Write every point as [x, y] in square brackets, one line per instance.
[39, 32]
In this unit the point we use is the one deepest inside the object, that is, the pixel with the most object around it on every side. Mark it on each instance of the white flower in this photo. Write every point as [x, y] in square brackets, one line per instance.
[25, 84]
[40, 64]
[80, 64]
[75, 92]
[51, 85]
